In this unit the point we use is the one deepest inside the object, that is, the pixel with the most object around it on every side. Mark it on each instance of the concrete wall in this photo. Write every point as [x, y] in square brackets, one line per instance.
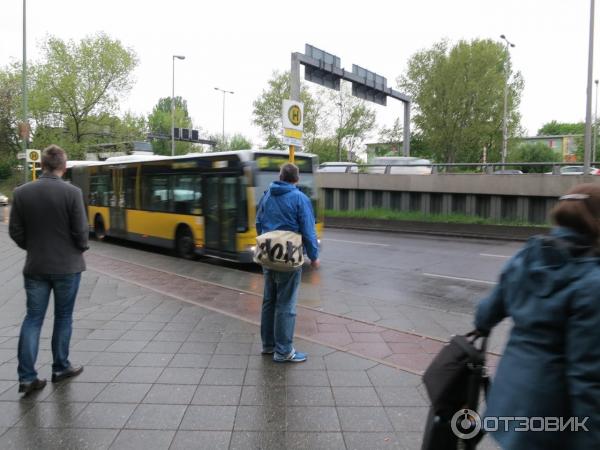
[526, 198]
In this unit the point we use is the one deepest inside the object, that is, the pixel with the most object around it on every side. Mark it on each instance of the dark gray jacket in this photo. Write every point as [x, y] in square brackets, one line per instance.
[47, 218]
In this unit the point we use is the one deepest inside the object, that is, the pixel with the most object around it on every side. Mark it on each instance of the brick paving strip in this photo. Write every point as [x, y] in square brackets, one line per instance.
[401, 350]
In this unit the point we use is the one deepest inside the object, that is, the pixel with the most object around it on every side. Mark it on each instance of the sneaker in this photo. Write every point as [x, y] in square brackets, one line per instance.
[35, 385]
[267, 351]
[294, 357]
[72, 371]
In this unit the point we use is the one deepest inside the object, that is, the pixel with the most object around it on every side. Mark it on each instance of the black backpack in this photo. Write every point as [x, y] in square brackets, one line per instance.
[454, 380]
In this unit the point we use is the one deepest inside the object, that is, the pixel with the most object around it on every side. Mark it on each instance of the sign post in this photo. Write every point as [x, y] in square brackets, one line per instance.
[292, 114]
[33, 156]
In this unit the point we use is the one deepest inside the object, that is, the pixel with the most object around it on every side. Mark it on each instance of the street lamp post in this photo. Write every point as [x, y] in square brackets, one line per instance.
[588, 106]
[224, 93]
[173, 107]
[505, 115]
[25, 126]
[595, 128]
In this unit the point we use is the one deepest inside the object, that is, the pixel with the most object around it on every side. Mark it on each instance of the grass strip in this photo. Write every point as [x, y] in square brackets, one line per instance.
[417, 216]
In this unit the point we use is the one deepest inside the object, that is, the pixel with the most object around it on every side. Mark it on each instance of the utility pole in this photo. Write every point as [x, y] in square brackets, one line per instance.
[588, 107]
[505, 115]
[224, 93]
[173, 106]
[595, 125]
[25, 125]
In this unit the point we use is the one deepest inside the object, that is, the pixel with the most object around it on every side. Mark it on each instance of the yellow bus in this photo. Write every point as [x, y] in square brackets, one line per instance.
[196, 204]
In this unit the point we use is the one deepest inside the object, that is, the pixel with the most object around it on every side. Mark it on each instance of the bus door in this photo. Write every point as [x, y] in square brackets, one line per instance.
[118, 225]
[220, 212]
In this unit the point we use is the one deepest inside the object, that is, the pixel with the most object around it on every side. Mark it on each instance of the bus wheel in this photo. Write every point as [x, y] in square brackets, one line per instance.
[184, 243]
[99, 230]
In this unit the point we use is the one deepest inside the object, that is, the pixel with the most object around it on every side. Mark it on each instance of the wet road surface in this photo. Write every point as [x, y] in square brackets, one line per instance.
[420, 284]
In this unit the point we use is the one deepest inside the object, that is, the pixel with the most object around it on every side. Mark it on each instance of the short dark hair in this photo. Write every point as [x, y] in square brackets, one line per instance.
[53, 158]
[289, 173]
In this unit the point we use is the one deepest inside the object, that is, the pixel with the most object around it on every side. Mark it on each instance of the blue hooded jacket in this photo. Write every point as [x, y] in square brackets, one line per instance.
[285, 207]
[551, 364]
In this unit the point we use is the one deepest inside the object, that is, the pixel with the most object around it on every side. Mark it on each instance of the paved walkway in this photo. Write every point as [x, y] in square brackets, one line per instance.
[162, 373]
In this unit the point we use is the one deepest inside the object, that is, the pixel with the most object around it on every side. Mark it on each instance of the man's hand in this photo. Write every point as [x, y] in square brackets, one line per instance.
[315, 264]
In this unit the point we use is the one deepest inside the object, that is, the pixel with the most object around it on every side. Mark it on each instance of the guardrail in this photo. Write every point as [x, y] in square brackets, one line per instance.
[553, 168]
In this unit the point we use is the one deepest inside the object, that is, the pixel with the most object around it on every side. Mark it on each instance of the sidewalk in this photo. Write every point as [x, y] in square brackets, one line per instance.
[161, 373]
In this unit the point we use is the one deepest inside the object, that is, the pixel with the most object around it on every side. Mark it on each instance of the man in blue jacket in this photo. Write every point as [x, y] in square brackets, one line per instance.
[284, 207]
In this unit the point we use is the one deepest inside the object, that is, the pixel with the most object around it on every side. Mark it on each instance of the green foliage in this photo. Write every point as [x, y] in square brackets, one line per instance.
[77, 87]
[10, 88]
[555, 128]
[529, 153]
[159, 123]
[352, 117]
[267, 110]
[459, 97]
[236, 142]
[417, 216]
[327, 151]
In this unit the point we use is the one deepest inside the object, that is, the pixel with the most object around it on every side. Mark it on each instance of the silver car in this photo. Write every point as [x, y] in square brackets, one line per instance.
[3, 200]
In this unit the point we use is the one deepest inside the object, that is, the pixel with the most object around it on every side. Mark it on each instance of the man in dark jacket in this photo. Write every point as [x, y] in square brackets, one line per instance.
[284, 207]
[48, 220]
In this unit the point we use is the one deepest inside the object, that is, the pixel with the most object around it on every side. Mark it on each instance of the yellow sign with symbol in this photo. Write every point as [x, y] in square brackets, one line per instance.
[295, 115]
[33, 155]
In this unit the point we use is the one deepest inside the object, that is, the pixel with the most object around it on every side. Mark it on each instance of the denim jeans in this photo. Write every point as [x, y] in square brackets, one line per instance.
[278, 318]
[37, 288]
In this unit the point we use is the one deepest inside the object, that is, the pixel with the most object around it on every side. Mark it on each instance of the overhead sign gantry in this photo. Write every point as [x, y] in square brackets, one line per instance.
[325, 69]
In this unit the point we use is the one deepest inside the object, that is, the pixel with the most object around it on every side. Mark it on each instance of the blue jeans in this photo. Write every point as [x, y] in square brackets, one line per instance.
[37, 288]
[278, 318]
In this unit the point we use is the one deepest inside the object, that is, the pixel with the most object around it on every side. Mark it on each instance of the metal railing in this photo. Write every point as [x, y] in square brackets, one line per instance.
[553, 168]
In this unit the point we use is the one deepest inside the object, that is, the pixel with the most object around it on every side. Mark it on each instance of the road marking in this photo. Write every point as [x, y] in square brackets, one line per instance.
[357, 242]
[491, 255]
[448, 277]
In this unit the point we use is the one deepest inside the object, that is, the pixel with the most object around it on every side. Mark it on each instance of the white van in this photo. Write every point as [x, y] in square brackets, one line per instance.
[405, 165]
[340, 167]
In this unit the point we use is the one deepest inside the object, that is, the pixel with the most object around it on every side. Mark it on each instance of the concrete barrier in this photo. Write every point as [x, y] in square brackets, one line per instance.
[528, 198]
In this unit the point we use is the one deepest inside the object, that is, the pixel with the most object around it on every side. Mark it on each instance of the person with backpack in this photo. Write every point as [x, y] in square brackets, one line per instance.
[285, 223]
[550, 369]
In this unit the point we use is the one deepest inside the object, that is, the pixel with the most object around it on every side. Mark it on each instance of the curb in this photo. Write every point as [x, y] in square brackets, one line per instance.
[473, 231]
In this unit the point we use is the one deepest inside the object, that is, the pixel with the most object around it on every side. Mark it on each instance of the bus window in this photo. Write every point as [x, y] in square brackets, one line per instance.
[187, 194]
[157, 195]
[100, 190]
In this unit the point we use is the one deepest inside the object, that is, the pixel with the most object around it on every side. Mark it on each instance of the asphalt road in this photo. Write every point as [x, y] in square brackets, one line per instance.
[422, 284]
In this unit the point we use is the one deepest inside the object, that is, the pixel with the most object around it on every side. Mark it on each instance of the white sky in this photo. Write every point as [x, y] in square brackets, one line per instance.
[236, 44]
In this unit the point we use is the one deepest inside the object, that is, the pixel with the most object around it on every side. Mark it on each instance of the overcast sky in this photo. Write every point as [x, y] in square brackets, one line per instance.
[237, 44]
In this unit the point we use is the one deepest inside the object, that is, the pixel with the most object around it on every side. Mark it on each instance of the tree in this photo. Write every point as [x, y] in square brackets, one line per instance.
[77, 82]
[459, 98]
[236, 142]
[159, 123]
[538, 152]
[353, 119]
[10, 98]
[555, 128]
[393, 135]
[267, 110]
[327, 150]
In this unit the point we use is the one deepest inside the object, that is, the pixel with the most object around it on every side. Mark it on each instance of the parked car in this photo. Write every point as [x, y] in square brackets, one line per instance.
[3, 200]
[508, 172]
[343, 167]
[405, 165]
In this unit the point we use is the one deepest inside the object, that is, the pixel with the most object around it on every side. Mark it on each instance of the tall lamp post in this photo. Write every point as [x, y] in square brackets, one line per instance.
[224, 93]
[505, 115]
[25, 126]
[173, 107]
[588, 106]
[595, 125]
